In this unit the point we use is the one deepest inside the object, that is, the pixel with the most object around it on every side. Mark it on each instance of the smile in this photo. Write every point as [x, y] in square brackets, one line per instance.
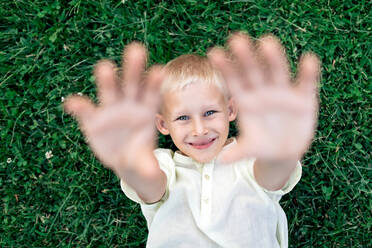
[203, 146]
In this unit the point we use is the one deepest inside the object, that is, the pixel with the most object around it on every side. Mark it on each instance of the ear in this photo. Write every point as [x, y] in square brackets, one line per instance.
[161, 124]
[232, 108]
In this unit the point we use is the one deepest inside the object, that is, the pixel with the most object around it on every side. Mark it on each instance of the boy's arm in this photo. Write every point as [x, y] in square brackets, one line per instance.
[146, 179]
[120, 130]
[273, 175]
[277, 115]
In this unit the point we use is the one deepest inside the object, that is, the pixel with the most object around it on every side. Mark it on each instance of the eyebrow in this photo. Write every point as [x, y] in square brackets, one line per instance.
[206, 107]
[211, 107]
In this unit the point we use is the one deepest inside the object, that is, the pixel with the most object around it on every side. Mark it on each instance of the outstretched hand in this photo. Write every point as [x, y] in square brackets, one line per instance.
[122, 125]
[277, 114]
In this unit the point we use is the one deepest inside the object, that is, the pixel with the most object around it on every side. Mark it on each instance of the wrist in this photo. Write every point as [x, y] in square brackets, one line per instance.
[276, 163]
[141, 163]
[273, 174]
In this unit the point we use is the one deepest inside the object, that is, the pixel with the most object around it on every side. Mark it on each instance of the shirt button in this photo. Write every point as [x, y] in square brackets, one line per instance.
[206, 177]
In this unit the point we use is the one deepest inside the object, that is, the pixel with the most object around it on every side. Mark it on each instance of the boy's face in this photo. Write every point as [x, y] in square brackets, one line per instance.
[197, 118]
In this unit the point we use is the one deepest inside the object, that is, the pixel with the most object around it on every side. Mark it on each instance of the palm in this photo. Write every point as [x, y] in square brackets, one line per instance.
[122, 125]
[117, 132]
[276, 119]
[273, 128]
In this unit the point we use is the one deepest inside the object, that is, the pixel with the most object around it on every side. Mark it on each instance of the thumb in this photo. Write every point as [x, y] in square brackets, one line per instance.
[80, 107]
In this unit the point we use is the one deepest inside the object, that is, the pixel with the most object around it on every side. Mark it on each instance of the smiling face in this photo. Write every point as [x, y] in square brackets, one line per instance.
[197, 119]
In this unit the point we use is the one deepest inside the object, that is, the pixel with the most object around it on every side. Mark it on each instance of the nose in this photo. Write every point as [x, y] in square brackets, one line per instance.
[199, 128]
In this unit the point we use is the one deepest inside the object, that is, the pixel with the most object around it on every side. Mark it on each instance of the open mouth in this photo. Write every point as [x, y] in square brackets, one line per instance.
[203, 145]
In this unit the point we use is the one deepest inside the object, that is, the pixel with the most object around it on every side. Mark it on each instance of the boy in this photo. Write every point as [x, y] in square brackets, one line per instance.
[214, 191]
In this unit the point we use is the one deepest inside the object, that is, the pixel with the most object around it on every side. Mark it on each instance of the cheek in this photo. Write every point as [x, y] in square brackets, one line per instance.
[178, 133]
[221, 125]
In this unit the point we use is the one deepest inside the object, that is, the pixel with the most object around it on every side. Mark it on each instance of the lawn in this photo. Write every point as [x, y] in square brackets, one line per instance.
[54, 193]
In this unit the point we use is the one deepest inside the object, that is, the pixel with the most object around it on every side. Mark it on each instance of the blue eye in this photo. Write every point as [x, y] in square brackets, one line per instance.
[210, 112]
[183, 118]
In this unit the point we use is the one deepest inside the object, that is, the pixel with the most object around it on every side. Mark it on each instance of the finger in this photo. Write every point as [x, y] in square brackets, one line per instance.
[242, 48]
[134, 62]
[308, 73]
[153, 81]
[108, 90]
[80, 107]
[219, 59]
[274, 57]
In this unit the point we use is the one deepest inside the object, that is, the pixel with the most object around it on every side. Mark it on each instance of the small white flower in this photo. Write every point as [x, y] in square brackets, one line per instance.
[79, 94]
[62, 99]
[9, 160]
[48, 154]
[66, 48]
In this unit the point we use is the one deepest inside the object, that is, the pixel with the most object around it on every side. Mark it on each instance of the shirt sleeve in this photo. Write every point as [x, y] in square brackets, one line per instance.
[275, 194]
[166, 164]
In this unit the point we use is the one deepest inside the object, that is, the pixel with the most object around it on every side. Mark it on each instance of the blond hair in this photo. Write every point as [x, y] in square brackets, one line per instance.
[191, 68]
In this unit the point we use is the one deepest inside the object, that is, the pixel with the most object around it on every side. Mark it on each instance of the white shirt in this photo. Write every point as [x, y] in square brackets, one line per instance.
[213, 205]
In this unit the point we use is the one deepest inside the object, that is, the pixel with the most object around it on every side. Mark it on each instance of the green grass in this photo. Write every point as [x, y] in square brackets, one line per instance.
[47, 52]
